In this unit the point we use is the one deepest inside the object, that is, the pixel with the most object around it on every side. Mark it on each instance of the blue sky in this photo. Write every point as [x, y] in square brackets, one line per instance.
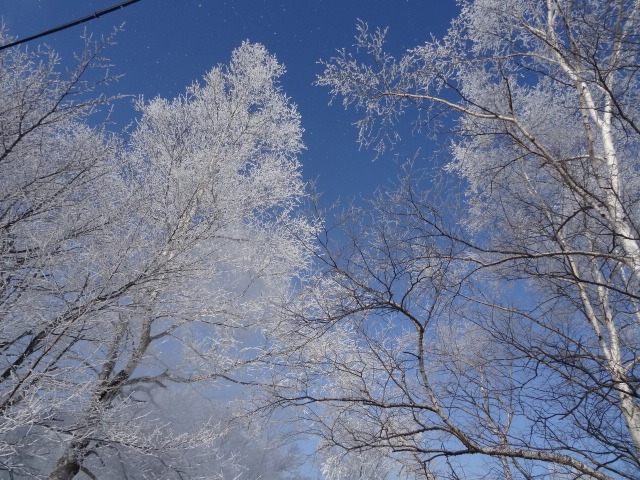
[167, 44]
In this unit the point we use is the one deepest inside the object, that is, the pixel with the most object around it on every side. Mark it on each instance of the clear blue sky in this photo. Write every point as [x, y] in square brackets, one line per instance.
[167, 44]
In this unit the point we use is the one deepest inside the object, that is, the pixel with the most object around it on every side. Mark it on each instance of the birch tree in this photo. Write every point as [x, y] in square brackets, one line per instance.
[497, 333]
[138, 266]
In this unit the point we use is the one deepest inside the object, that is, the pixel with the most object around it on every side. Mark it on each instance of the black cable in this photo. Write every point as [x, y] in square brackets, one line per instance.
[71, 24]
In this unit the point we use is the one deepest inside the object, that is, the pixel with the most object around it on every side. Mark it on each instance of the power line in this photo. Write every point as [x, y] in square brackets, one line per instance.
[71, 24]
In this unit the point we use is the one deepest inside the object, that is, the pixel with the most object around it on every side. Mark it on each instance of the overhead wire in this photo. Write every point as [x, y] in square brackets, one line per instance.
[71, 24]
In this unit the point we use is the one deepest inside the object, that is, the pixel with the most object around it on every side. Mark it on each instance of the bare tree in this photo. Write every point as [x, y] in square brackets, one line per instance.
[496, 334]
[129, 268]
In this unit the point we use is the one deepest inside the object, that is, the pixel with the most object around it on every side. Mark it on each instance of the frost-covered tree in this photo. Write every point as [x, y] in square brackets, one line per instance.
[138, 266]
[54, 170]
[497, 334]
[336, 464]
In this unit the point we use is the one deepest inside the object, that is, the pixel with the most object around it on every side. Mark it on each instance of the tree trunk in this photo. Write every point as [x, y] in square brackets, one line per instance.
[67, 467]
[70, 463]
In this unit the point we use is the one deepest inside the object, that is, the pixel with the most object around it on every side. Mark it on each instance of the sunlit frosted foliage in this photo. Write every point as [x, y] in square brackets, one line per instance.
[131, 268]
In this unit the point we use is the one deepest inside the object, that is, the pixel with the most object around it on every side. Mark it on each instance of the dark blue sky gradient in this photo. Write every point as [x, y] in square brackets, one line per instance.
[168, 44]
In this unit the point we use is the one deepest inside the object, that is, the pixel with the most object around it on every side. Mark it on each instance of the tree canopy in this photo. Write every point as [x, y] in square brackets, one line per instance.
[477, 318]
[129, 267]
[487, 323]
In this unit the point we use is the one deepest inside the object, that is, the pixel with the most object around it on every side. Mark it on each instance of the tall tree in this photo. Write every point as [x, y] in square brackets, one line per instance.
[132, 267]
[501, 336]
[52, 167]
